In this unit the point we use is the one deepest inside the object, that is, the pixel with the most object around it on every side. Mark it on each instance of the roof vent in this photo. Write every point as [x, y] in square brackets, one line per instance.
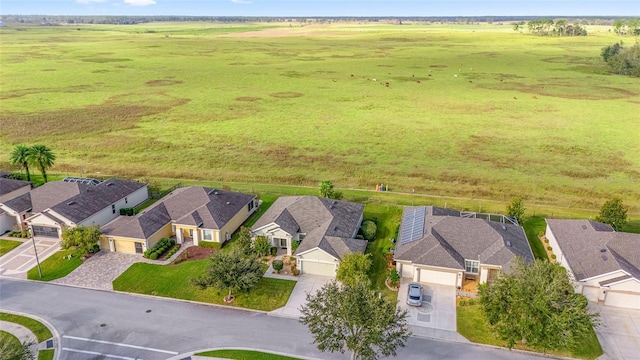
[508, 243]
[504, 227]
[603, 250]
[215, 193]
[228, 203]
[71, 202]
[212, 191]
[584, 227]
[109, 184]
[604, 257]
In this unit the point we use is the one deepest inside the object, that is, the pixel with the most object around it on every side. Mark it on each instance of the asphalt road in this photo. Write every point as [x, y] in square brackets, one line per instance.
[107, 325]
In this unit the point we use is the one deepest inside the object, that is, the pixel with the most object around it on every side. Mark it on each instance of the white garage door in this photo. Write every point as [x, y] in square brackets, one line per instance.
[625, 300]
[438, 277]
[317, 268]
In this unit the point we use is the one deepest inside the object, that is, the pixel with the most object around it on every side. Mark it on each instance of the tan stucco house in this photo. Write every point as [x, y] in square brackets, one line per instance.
[439, 246]
[603, 265]
[325, 228]
[193, 213]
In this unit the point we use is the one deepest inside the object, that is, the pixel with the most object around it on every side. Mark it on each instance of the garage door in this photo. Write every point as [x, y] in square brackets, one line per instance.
[46, 231]
[438, 277]
[317, 268]
[625, 300]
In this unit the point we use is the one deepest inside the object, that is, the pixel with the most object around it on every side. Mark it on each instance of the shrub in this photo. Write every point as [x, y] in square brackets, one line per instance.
[540, 233]
[394, 277]
[274, 250]
[277, 265]
[153, 256]
[172, 242]
[549, 248]
[546, 241]
[261, 245]
[553, 256]
[96, 248]
[295, 272]
[369, 229]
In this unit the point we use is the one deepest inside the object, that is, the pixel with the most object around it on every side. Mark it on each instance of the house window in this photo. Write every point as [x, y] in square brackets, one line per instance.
[138, 248]
[250, 206]
[471, 266]
[207, 235]
[113, 208]
[126, 201]
[301, 237]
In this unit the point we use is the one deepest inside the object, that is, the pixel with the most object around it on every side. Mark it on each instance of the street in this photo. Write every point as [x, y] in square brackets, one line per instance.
[96, 324]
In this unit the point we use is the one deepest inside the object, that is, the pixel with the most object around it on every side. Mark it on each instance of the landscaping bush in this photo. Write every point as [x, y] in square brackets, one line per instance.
[127, 211]
[294, 246]
[295, 272]
[96, 248]
[553, 256]
[277, 265]
[153, 256]
[540, 233]
[549, 248]
[261, 246]
[394, 277]
[369, 229]
[274, 250]
[172, 242]
[546, 241]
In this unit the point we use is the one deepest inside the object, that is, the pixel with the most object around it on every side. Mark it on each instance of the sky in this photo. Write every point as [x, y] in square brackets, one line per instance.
[324, 7]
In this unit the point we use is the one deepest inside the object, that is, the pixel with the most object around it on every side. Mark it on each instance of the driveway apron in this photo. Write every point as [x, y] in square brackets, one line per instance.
[17, 262]
[619, 333]
[306, 283]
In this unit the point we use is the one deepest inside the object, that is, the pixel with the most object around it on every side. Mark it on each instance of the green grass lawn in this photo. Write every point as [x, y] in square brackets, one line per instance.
[387, 218]
[244, 355]
[8, 245]
[512, 122]
[472, 325]
[532, 227]
[46, 354]
[173, 281]
[56, 266]
[42, 332]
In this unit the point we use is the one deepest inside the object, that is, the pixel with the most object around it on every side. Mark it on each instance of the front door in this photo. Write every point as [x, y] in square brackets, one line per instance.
[283, 243]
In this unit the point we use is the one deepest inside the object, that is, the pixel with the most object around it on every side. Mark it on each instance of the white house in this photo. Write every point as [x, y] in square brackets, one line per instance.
[10, 189]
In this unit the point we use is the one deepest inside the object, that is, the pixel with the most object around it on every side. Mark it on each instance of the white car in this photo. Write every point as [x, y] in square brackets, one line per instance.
[414, 294]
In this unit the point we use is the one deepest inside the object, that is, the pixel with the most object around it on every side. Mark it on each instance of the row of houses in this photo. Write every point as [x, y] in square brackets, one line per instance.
[434, 245]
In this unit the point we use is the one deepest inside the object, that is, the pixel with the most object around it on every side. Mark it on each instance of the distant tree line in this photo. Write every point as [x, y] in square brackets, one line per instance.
[548, 27]
[627, 26]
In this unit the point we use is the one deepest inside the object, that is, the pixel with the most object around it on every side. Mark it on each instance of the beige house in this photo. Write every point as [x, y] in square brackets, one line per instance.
[602, 264]
[324, 229]
[192, 213]
[9, 190]
[439, 246]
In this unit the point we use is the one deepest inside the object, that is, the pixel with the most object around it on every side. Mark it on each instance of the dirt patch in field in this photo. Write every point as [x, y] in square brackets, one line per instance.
[104, 60]
[438, 66]
[32, 91]
[247, 98]
[164, 82]
[49, 70]
[286, 95]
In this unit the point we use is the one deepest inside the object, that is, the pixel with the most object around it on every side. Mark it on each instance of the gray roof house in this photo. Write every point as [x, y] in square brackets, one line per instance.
[603, 264]
[325, 230]
[193, 213]
[60, 204]
[9, 190]
[437, 245]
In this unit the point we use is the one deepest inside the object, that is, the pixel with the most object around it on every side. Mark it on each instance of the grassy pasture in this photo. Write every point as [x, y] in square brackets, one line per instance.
[535, 116]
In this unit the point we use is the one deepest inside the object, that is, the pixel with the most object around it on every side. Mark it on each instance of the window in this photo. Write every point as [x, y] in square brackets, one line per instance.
[301, 237]
[250, 206]
[113, 208]
[138, 248]
[126, 201]
[471, 266]
[207, 235]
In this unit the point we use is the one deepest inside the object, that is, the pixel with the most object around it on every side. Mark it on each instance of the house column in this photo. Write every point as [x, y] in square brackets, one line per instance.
[178, 236]
[289, 245]
[416, 274]
[483, 275]
[196, 237]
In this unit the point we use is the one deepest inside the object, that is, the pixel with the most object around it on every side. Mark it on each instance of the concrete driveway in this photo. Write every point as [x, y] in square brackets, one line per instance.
[619, 333]
[306, 283]
[436, 318]
[17, 262]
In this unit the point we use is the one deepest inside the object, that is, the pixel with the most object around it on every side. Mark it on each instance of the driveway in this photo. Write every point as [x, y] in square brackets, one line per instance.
[17, 262]
[306, 283]
[619, 333]
[99, 271]
[436, 318]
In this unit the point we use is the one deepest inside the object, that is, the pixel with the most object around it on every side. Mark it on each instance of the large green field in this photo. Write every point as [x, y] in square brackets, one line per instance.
[472, 111]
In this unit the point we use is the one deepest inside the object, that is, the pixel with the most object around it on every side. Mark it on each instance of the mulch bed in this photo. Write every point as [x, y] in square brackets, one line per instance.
[195, 253]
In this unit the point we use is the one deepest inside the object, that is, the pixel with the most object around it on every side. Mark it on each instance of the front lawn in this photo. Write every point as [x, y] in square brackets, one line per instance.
[8, 245]
[244, 355]
[57, 265]
[174, 281]
[532, 227]
[472, 325]
[387, 218]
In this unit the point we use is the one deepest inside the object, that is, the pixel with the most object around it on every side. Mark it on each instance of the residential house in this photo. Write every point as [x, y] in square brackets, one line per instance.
[61, 204]
[192, 213]
[10, 189]
[604, 265]
[325, 229]
[439, 246]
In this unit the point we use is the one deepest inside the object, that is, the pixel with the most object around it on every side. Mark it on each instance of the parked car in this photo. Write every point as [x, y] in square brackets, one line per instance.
[414, 294]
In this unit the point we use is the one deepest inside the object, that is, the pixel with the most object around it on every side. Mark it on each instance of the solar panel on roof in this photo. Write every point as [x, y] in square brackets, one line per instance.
[412, 224]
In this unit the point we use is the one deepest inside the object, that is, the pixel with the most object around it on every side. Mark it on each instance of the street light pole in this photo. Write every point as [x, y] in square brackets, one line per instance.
[35, 250]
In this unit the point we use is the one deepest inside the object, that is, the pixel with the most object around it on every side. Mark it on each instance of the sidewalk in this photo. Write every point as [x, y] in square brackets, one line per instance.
[17, 262]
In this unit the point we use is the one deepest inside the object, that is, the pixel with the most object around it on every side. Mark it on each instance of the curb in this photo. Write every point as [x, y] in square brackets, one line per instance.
[54, 331]
[192, 353]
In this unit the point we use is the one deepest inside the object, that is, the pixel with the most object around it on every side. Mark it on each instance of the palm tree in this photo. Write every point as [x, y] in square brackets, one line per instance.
[42, 157]
[20, 156]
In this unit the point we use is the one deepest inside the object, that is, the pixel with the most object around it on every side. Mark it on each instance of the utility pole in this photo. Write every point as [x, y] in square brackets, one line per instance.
[35, 250]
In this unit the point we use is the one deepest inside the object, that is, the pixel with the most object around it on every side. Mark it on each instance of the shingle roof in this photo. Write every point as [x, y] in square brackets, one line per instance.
[45, 196]
[327, 224]
[194, 205]
[94, 198]
[9, 185]
[449, 239]
[592, 248]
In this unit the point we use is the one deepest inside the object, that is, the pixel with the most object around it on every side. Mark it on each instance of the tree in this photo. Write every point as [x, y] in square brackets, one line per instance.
[609, 51]
[516, 209]
[244, 240]
[353, 268]
[536, 305]
[20, 156]
[231, 270]
[518, 26]
[14, 350]
[354, 317]
[82, 237]
[326, 189]
[261, 246]
[42, 157]
[613, 213]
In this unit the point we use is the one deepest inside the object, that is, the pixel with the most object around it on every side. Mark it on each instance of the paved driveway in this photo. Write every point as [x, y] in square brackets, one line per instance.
[17, 262]
[436, 318]
[619, 333]
[306, 283]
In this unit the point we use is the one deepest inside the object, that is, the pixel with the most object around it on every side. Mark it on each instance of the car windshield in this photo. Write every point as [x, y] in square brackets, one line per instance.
[414, 292]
